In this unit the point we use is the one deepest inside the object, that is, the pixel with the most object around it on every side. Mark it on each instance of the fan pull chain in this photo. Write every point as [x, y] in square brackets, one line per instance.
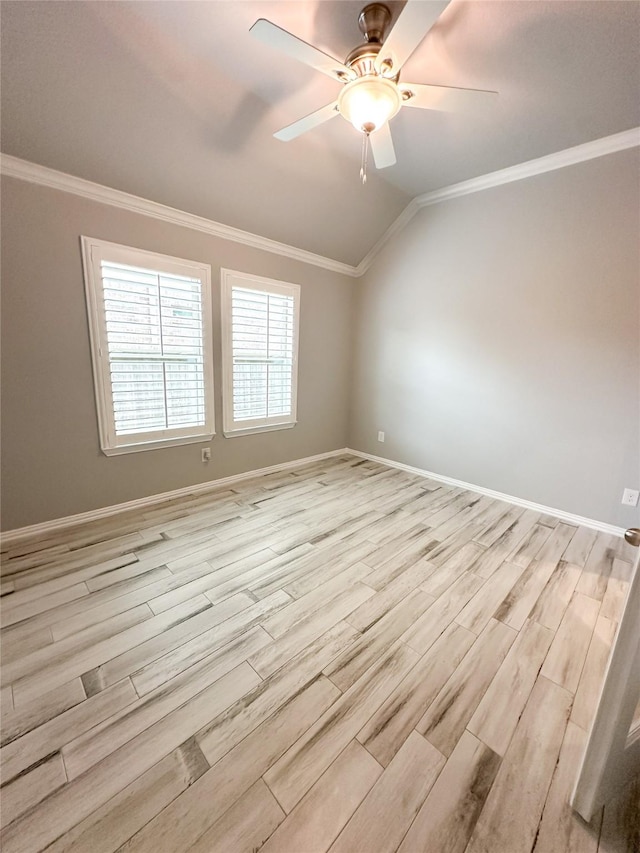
[365, 154]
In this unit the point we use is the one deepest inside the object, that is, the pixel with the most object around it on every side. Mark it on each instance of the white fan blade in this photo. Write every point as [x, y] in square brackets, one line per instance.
[382, 147]
[415, 21]
[445, 98]
[275, 36]
[291, 131]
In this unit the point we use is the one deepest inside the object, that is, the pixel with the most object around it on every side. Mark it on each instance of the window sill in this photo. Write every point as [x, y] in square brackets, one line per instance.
[232, 433]
[156, 445]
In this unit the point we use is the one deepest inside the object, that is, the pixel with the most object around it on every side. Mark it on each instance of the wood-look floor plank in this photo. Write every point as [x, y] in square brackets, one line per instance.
[184, 689]
[597, 568]
[239, 720]
[474, 511]
[293, 774]
[528, 549]
[228, 580]
[20, 612]
[402, 551]
[580, 546]
[561, 829]
[76, 800]
[459, 563]
[555, 597]
[314, 633]
[517, 606]
[192, 639]
[191, 814]
[234, 832]
[366, 649]
[110, 826]
[298, 610]
[496, 717]
[511, 813]
[50, 737]
[81, 660]
[396, 522]
[32, 787]
[102, 627]
[6, 702]
[617, 586]
[499, 527]
[65, 649]
[22, 639]
[444, 550]
[100, 605]
[322, 813]
[370, 611]
[426, 629]
[568, 651]
[382, 819]
[34, 589]
[449, 813]
[236, 577]
[460, 502]
[340, 558]
[386, 731]
[196, 656]
[44, 708]
[592, 675]
[493, 556]
[476, 614]
[447, 716]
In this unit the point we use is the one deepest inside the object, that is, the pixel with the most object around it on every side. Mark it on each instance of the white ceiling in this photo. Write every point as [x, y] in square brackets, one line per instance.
[176, 102]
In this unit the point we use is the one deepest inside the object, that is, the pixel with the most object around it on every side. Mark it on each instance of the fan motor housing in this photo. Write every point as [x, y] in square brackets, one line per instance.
[362, 58]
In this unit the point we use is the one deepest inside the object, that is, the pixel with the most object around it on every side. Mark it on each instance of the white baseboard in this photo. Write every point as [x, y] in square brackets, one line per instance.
[471, 487]
[13, 537]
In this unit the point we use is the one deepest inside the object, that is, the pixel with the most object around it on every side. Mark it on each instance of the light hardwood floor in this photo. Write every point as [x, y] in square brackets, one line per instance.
[340, 657]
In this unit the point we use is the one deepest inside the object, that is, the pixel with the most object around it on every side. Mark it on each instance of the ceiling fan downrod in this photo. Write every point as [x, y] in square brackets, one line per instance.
[373, 23]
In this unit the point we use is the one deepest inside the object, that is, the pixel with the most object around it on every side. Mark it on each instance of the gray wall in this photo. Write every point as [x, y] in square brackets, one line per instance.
[497, 340]
[52, 465]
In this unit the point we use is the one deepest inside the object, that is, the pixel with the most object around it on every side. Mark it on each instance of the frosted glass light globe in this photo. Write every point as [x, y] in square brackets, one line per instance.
[369, 102]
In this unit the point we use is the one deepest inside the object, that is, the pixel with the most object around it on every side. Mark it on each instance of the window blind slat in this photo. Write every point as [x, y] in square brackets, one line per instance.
[155, 343]
[262, 337]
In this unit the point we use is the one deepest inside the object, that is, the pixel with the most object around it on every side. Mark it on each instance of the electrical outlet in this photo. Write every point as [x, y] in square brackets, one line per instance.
[380, 436]
[206, 454]
[630, 497]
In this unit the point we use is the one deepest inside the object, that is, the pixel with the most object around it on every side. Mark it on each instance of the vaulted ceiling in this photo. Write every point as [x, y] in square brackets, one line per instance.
[176, 102]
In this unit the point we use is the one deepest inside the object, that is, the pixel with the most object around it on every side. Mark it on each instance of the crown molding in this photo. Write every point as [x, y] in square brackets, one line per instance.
[568, 157]
[14, 167]
[397, 225]
[550, 162]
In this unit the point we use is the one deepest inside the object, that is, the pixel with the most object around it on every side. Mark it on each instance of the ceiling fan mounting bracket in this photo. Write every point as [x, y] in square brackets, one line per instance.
[373, 22]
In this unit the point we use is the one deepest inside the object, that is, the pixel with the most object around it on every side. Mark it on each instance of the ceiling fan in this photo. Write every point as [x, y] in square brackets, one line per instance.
[372, 92]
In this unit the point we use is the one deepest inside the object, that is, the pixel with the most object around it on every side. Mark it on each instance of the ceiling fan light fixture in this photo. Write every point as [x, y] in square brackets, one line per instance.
[369, 102]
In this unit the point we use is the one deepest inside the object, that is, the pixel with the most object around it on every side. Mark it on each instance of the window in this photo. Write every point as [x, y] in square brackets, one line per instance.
[259, 353]
[150, 324]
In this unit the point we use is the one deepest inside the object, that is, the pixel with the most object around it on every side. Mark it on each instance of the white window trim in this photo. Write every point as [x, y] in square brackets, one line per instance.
[93, 252]
[229, 278]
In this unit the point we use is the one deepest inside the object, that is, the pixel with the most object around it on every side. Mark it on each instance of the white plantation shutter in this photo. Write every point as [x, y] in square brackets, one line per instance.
[152, 354]
[260, 341]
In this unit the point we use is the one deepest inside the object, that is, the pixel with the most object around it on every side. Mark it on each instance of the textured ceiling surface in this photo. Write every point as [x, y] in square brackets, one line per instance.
[176, 102]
